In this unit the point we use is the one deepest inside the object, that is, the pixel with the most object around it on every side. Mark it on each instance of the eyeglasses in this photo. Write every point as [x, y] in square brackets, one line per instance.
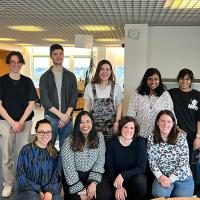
[43, 133]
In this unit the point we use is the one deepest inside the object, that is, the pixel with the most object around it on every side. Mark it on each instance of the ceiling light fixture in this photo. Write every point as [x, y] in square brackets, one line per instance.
[8, 39]
[24, 44]
[68, 45]
[27, 28]
[54, 39]
[107, 40]
[112, 45]
[182, 4]
[96, 28]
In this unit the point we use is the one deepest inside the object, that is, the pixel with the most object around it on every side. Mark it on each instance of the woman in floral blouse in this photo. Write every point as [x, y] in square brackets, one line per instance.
[149, 99]
[169, 159]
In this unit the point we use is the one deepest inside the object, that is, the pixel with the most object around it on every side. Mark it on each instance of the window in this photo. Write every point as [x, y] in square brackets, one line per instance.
[119, 73]
[80, 67]
[40, 65]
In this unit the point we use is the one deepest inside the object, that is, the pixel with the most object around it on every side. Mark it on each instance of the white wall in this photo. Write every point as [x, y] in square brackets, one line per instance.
[173, 48]
[168, 48]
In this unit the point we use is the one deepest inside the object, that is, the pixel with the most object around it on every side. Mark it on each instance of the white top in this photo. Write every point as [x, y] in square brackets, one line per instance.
[103, 93]
[145, 109]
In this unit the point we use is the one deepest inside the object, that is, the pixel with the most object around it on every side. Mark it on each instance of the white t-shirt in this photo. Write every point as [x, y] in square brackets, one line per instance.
[103, 93]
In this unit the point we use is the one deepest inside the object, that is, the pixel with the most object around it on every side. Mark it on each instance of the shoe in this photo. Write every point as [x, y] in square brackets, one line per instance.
[6, 192]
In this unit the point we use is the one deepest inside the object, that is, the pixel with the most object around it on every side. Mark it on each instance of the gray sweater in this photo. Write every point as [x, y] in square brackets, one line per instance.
[49, 95]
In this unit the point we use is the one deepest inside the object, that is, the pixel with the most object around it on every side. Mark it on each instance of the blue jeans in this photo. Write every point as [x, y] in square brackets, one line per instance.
[34, 196]
[62, 133]
[177, 189]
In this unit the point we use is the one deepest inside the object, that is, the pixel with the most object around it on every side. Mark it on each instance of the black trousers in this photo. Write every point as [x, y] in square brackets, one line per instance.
[136, 188]
[102, 192]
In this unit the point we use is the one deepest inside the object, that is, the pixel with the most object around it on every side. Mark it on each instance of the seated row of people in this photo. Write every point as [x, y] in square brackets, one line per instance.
[84, 155]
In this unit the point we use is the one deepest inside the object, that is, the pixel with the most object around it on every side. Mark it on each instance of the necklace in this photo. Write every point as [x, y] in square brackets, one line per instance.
[125, 142]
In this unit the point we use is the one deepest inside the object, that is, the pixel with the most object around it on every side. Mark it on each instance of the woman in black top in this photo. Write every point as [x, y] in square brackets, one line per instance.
[126, 159]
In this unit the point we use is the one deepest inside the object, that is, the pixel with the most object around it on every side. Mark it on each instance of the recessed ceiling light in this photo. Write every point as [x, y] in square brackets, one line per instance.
[96, 28]
[68, 45]
[54, 39]
[27, 28]
[107, 40]
[7, 39]
[182, 4]
[112, 45]
[24, 44]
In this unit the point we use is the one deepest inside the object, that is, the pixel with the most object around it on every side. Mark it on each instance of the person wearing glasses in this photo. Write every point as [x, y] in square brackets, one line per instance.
[83, 158]
[38, 171]
[17, 100]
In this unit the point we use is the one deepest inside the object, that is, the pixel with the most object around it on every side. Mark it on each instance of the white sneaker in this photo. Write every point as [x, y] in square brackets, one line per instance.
[6, 192]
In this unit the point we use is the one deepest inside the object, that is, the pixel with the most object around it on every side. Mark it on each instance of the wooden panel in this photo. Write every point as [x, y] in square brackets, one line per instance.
[3, 66]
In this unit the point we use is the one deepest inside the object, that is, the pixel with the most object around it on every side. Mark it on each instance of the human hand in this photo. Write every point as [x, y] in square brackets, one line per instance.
[41, 195]
[16, 127]
[84, 197]
[164, 181]
[47, 196]
[61, 124]
[91, 190]
[196, 143]
[65, 118]
[120, 193]
[118, 181]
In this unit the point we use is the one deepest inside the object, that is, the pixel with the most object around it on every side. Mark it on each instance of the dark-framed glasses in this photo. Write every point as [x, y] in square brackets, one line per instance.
[43, 133]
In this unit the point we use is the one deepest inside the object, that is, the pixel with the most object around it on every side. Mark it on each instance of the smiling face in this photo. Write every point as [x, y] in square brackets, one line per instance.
[44, 134]
[85, 125]
[153, 82]
[105, 72]
[165, 124]
[14, 64]
[185, 83]
[128, 131]
[57, 56]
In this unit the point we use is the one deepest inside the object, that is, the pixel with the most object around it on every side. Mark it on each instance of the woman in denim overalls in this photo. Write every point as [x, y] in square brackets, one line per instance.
[103, 97]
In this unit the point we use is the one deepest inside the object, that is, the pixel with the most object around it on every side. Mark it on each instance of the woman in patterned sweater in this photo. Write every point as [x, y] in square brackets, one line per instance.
[83, 158]
[149, 99]
[169, 159]
[38, 174]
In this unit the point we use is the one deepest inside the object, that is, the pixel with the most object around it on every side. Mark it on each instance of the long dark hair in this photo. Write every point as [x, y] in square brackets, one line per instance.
[143, 88]
[78, 140]
[126, 119]
[96, 79]
[50, 146]
[173, 134]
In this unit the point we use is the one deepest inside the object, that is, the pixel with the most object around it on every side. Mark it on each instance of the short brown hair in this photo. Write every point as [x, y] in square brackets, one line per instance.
[15, 53]
[173, 134]
[96, 79]
[126, 119]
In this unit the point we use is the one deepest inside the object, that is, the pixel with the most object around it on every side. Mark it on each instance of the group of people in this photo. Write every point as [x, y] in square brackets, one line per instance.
[103, 155]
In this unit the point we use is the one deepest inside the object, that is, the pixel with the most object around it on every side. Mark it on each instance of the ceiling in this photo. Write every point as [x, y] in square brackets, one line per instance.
[61, 18]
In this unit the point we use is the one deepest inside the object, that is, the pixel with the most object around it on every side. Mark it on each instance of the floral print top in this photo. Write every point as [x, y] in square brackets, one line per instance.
[169, 160]
[145, 109]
